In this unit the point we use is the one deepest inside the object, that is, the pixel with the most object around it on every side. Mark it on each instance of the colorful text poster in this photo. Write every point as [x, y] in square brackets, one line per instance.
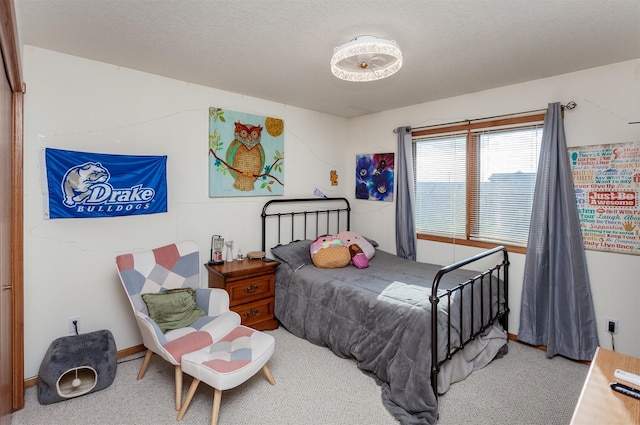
[607, 187]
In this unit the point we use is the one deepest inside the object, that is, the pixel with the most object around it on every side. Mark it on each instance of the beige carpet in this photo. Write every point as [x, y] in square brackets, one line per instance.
[314, 386]
[523, 387]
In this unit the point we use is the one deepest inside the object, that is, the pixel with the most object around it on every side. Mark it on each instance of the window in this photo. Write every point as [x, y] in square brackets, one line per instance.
[441, 185]
[475, 182]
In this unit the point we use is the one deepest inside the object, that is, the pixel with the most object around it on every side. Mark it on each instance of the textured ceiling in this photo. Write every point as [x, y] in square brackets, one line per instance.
[280, 50]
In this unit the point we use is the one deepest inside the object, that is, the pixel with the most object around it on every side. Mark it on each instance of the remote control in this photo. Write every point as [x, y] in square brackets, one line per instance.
[621, 388]
[627, 376]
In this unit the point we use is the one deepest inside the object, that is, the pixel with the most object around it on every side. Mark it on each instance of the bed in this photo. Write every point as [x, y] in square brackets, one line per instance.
[415, 328]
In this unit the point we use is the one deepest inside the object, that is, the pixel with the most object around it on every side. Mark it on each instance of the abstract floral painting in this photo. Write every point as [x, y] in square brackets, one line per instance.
[246, 154]
[374, 176]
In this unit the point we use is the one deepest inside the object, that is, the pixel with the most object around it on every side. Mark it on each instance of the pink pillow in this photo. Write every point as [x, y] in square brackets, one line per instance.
[353, 238]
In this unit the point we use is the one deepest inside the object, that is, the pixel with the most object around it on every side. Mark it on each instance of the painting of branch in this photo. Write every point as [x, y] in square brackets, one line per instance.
[246, 154]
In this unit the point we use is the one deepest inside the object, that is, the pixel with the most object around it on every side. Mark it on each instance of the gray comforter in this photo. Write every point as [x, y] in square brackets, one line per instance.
[379, 316]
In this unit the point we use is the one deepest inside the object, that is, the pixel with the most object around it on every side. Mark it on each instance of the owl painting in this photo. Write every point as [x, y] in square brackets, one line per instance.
[245, 155]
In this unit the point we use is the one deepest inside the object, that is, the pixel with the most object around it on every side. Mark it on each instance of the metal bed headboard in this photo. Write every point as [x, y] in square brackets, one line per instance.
[292, 219]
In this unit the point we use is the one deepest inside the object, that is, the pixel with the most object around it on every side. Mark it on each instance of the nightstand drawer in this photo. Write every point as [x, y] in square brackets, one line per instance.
[255, 312]
[251, 289]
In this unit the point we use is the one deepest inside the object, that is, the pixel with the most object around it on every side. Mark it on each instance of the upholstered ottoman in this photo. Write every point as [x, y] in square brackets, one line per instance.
[228, 363]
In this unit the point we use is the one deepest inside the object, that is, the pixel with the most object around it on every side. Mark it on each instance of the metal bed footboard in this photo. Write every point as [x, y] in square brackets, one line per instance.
[501, 273]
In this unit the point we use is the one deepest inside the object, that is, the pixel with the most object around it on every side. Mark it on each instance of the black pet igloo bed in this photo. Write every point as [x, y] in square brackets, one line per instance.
[77, 365]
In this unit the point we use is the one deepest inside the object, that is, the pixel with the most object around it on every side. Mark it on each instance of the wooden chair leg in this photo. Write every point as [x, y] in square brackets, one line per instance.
[178, 373]
[187, 400]
[145, 363]
[217, 396]
[267, 372]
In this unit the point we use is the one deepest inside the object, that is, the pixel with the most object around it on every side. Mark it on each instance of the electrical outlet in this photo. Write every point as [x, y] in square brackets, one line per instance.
[612, 325]
[73, 327]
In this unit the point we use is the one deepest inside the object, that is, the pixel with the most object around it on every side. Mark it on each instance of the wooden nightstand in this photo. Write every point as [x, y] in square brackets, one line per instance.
[251, 288]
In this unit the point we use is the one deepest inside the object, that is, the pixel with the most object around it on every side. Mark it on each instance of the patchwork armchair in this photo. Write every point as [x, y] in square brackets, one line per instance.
[175, 316]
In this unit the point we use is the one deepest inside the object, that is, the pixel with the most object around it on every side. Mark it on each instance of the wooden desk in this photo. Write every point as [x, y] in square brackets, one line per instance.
[598, 403]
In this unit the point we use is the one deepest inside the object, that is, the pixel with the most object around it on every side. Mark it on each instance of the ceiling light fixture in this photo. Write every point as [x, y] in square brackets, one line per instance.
[366, 58]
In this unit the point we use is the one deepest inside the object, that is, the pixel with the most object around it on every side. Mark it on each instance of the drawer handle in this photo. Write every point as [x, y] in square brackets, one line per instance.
[251, 289]
[252, 313]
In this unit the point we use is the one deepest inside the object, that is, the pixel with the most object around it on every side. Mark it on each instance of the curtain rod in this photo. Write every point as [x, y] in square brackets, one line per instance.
[570, 105]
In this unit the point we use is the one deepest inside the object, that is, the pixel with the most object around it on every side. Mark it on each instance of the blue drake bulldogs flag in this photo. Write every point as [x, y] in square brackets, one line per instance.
[83, 185]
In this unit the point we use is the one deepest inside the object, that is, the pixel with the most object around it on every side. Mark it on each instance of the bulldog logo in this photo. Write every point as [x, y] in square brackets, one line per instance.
[78, 180]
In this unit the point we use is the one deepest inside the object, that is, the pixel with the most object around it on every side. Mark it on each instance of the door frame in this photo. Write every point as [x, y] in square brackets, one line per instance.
[10, 48]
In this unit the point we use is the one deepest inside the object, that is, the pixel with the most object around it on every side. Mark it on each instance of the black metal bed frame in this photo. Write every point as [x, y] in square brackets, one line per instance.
[340, 212]
[500, 272]
[342, 215]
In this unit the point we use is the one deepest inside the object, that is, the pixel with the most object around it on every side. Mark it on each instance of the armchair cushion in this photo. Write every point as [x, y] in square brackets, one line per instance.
[173, 309]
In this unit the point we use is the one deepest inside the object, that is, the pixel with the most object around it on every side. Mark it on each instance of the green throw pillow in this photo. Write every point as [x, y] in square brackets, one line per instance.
[174, 308]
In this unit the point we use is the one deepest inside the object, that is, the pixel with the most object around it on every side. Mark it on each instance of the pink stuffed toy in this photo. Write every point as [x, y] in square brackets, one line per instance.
[329, 252]
[357, 257]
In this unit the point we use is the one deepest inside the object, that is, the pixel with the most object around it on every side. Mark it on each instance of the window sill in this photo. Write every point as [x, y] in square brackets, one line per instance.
[477, 244]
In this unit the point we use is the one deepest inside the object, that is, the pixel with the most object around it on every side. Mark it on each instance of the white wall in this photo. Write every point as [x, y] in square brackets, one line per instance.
[77, 104]
[608, 99]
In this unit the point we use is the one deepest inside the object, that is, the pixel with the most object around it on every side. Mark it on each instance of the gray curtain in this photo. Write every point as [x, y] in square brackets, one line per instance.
[557, 308]
[405, 199]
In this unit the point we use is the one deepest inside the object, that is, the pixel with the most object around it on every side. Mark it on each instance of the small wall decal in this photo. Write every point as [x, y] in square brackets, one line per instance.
[333, 176]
